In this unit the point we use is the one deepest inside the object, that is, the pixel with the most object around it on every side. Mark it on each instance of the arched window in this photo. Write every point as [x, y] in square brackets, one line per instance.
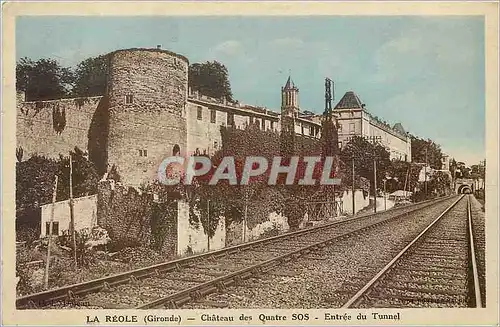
[176, 151]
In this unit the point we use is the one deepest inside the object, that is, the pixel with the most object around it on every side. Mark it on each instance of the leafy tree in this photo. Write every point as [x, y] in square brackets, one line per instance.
[419, 147]
[453, 167]
[90, 77]
[44, 79]
[402, 174]
[85, 177]
[475, 172]
[462, 171]
[35, 179]
[439, 183]
[364, 153]
[210, 78]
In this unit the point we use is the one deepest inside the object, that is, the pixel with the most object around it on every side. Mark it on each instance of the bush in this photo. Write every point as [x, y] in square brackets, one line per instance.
[28, 235]
[115, 246]
[35, 179]
[85, 255]
[25, 254]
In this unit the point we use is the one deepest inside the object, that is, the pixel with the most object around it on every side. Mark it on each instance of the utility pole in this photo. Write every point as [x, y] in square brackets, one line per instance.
[353, 202]
[72, 210]
[334, 203]
[425, 172]
[385, 195]
[375, 140]
[245, 217]
[47, 264]
[375, 184]
[208, 225]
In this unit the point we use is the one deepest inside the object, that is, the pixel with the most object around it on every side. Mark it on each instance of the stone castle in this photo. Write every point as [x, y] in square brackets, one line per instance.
[149, 113]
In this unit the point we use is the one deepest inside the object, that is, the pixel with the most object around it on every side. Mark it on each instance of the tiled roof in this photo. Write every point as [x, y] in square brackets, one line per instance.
[349, 101]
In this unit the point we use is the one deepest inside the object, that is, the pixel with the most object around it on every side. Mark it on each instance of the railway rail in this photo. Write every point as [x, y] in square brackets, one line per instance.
[174, 283]
[438, 268]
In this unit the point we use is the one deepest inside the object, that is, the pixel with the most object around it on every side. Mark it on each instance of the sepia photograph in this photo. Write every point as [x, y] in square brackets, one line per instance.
[218, 162]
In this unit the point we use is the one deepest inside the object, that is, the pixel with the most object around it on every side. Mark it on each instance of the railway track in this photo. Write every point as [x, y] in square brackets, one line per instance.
[438, 268]
[177, 282]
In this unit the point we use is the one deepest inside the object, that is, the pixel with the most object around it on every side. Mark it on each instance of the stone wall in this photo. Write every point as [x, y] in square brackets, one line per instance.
[192, 239]
[360, 201]
[275, 224]
[147, 96]
[36, 133]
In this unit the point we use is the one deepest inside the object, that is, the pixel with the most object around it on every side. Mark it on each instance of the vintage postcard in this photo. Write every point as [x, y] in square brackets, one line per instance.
[288, 163]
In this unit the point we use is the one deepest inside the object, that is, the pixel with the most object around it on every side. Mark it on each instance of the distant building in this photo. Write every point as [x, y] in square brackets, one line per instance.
[445, 162]
[354, 120]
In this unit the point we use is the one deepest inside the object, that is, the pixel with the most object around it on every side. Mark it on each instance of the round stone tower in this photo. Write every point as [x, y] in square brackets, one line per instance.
[147, 92]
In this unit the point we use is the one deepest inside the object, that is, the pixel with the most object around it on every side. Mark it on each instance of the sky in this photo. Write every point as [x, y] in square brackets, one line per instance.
[425, 72]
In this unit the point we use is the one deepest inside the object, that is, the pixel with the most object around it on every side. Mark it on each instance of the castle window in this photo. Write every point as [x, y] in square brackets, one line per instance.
[215, 145]
[129, 99]
[251, 120]
[272, 125]
[199, 113]
[263, 124]
[143, 153]
[230, 119]
[176, 150]
[352, 128]
[212, 116]
[302, 130]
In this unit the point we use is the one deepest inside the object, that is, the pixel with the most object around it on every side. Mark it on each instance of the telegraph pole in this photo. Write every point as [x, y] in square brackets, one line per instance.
[375, 184]
[245, 217]
[72, 210]
[385, 195]
[425, 172]
[47, 264]
[208, 225]
[353, 202]
[375, 140]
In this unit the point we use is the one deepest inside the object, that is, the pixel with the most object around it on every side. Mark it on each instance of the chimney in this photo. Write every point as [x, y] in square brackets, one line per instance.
[158, 46]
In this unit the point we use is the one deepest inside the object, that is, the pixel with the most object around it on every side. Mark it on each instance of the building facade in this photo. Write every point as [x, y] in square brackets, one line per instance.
[354, 120]
[147, 114]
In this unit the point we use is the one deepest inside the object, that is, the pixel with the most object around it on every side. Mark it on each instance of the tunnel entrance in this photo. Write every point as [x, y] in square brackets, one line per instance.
[464, 189]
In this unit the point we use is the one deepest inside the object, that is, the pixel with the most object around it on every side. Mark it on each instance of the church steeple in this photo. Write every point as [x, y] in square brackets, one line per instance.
[289, 99]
